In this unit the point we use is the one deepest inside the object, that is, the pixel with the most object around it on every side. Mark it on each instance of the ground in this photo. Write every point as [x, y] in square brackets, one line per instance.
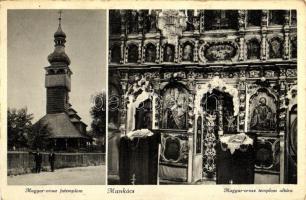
[92, 175]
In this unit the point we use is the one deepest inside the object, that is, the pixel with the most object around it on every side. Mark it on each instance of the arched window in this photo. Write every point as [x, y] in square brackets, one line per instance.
[114, 22]
[116, 54]
[275, 48]
[132, 53]
[254, 17]
[175, 106]
[150, 55]
[221, 19]
[188, 52]
[253, 51]
[169, 53]
[276, 17]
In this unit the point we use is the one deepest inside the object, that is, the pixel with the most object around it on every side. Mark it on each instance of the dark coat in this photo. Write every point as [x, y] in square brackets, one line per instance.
[51, 157]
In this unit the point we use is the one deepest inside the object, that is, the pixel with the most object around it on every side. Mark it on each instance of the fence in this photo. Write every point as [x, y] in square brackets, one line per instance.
[20, 162]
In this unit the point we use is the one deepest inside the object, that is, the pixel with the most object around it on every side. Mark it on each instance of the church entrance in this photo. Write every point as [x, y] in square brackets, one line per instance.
[218, 118]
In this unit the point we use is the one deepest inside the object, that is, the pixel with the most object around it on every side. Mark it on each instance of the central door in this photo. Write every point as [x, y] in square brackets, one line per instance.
[218, 118]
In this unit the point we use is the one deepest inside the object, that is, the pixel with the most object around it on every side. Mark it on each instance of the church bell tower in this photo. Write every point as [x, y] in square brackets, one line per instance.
[57, 78]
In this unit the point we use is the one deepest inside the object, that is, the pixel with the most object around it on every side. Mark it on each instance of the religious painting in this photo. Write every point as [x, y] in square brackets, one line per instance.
[175, 105]
[115, 20]
[221, 19]
[133, 21]
[253, 49]
[275, 48]
[132, 53]
[190, 26]
[169, 51]
[143, 116]
[116, 54]
[276, 17]
[150, 21]
[150, 54]
[188, 52]
[253, 16]
[262, 111]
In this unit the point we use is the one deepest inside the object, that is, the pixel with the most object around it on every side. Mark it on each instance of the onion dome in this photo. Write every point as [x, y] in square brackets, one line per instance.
[59, 55]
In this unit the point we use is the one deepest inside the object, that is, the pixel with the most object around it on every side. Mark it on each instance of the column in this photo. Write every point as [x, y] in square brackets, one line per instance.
[241, 32]
[123, 22]
[140, 21]
[264, 23]
[286, 43]
[202, 21]
[123, 108]
[282, 126]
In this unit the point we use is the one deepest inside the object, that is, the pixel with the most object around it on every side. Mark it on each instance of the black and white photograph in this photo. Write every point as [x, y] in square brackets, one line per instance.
[56, 115]
[202, 97]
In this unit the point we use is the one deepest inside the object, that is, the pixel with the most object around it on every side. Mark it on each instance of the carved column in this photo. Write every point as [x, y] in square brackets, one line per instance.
[139, 53]
[202, 22]
[161, 53]
[140, 21]
[242, 125]
[176, 54]
[191, 122]
[123, 105]
[123, 22]
[157, 53]
[286, 43]
[196, 51]
[242, 105]
[282, 123]
[241, 23]
[122, 48]
[264, 23]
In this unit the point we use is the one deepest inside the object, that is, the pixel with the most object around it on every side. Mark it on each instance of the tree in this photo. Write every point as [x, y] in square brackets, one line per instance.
[40, 138]
[19, 128]
[98, 114]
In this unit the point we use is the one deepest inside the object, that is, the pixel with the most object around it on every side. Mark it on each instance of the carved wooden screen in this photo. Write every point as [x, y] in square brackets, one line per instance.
[175, 103]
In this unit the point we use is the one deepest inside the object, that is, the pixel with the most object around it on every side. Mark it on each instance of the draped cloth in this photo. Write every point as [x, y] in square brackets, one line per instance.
[235, 142]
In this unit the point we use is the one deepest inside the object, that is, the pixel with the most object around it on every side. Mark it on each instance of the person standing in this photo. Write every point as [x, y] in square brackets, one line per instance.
[37, 160]
[52, 159]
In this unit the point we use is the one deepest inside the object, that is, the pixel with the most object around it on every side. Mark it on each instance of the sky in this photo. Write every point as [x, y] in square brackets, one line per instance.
[30, 41]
